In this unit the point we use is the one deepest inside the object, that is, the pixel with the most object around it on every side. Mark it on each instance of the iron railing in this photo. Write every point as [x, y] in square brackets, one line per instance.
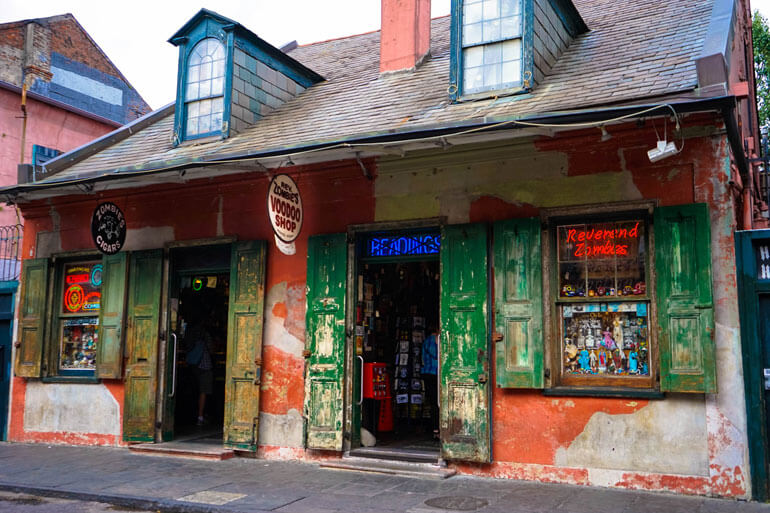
[10, 252]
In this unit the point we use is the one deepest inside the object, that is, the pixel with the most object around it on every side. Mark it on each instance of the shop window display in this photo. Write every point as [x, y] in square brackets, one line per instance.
[603, 303]
[79, 316]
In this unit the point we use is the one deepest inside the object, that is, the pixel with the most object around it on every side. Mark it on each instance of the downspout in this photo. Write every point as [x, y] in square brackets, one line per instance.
[23, 121]
[734, 139]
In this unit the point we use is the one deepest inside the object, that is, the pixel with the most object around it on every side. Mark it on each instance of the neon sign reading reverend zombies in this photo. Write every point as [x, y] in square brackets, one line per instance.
[595, 242]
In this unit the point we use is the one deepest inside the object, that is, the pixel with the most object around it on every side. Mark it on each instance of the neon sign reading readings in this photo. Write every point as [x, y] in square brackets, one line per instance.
[404, 245]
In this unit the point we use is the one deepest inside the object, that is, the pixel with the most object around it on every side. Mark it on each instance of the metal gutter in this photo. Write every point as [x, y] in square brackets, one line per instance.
[55, 103]
[90, 148]
[721, 104]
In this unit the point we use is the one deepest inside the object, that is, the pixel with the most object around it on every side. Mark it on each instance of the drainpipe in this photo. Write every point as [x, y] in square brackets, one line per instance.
[23, 121]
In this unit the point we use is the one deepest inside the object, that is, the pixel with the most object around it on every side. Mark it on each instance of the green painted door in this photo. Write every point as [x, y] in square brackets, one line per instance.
[109, 360]
[518, 304]
[685, 301]
[142, 345]
[32, 305]
[244, 345]
[325, 341]
[463, 348]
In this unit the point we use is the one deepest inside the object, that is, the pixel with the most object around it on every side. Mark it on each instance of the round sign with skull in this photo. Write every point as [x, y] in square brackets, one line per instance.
[108, 228]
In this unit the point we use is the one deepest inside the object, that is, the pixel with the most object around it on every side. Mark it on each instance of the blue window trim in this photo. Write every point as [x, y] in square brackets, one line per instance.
[224, 33]
[456, 55]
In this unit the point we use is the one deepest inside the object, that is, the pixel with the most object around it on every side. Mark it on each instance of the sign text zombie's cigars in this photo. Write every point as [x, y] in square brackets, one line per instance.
[108, 228]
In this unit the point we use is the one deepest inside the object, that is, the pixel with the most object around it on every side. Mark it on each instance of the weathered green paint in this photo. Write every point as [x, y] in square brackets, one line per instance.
[463, 344]
[32, 317]
[142, 345]
[684, 299]
[754, 303]
[518, 304]
[109, 357]
[244, 344]
[326, 278]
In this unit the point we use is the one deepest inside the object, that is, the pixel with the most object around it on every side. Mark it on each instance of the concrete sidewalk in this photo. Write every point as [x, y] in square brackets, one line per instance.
[247, 485]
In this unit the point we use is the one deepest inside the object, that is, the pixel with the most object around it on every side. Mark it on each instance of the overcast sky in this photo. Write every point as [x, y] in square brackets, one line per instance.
[134, 33]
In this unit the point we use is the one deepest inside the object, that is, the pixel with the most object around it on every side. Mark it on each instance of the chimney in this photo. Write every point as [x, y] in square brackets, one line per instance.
[405, 35]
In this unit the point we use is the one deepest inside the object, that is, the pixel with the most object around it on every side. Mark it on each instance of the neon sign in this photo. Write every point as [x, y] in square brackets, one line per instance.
[73, 298]
[592, 242]
[404, 245]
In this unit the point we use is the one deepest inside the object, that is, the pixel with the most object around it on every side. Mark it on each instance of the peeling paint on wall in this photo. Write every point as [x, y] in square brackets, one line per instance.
[71, 408]
[281, 430]
[674, 427]
[148, 238]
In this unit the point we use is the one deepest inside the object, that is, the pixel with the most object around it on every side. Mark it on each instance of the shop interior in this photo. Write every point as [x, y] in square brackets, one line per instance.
[397, 308]
[199, 318]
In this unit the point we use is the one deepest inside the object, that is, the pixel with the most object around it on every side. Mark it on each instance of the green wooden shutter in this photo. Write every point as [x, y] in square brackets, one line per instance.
[109, 358]
[142, 345]
[326, 282]
[244, 344]
[518, 304]
[32, 317]
[463, 350]
[684, 299]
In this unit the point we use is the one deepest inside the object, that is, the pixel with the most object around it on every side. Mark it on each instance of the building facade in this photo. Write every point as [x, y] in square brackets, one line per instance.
[555, 214]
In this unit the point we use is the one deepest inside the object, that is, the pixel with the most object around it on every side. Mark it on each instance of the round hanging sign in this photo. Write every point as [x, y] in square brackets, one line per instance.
[284, 207]
[108, 228]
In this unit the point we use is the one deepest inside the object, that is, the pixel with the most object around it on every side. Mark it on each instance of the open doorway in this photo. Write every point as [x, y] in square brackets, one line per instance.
[397, 318]
[199, 299]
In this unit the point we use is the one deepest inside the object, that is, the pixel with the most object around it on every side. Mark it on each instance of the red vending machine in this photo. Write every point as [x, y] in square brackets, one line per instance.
[377, 386]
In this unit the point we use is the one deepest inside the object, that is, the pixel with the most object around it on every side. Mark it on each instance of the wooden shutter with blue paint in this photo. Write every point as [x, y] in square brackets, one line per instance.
[32, 317]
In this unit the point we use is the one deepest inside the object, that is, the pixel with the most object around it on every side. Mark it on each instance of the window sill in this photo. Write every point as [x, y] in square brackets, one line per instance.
[82, 380]
[604, 392]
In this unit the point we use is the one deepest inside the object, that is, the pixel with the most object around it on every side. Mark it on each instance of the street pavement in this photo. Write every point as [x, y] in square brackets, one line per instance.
[24, 503]
[139, 482]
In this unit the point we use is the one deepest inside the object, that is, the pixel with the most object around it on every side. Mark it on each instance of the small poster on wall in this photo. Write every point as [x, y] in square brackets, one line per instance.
[108, 228]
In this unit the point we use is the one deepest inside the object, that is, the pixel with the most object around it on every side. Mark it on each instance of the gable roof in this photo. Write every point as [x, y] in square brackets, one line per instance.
[631, 58]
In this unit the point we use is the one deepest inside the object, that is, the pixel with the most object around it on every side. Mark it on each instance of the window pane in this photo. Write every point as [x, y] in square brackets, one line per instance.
[216, 121]
[473, 79]
[193, 109]
[605, 339]
[219, 52]
[193, 74]
[218, 69]
[491, 75]
[512, 50]
[217, 105]
[192, 126]
[491, 30]
[511, 72]
[81, 288]
[510, 27]
[205, 71]
[474, 56]
[217, 85]
[204, 89]
[205, 106]
[510, 7]
[79, 339]
[493, 54]
[192, 91]
[471, 13]
[204, 124]
[491, 9]
[472, 34]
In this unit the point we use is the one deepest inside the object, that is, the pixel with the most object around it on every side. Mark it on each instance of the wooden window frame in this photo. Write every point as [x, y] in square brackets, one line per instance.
[553, 218]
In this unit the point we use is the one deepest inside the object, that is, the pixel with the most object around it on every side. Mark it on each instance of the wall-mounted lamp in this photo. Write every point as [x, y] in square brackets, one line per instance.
[662, 150]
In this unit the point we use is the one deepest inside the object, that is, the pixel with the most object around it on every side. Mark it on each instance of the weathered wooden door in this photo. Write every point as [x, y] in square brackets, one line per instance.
[142, 345]
[7, 294]
[325, 340]
[463, 350]
[244, 344]
[518, 304]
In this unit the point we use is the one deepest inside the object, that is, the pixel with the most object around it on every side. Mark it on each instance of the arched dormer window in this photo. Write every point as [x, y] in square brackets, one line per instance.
[204, 91]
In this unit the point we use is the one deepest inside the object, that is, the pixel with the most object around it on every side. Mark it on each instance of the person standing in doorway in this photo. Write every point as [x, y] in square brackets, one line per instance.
[199, 346]
[429, 370]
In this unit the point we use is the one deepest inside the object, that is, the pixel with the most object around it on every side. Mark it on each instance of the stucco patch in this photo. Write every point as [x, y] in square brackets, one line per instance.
[70, 408]
[276, 333]
[148, 238]
[666, 436]
[281, 430]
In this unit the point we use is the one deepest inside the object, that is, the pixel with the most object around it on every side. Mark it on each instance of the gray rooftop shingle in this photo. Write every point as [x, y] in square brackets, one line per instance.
[631, 54]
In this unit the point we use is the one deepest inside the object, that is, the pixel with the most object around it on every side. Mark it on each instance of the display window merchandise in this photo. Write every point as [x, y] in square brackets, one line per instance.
[78, 319]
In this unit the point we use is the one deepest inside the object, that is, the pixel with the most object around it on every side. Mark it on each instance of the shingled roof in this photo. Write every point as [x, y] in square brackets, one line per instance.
[630, 56]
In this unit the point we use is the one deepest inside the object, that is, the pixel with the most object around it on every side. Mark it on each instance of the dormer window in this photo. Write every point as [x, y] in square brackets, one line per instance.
[491, 42]
[204, 91]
